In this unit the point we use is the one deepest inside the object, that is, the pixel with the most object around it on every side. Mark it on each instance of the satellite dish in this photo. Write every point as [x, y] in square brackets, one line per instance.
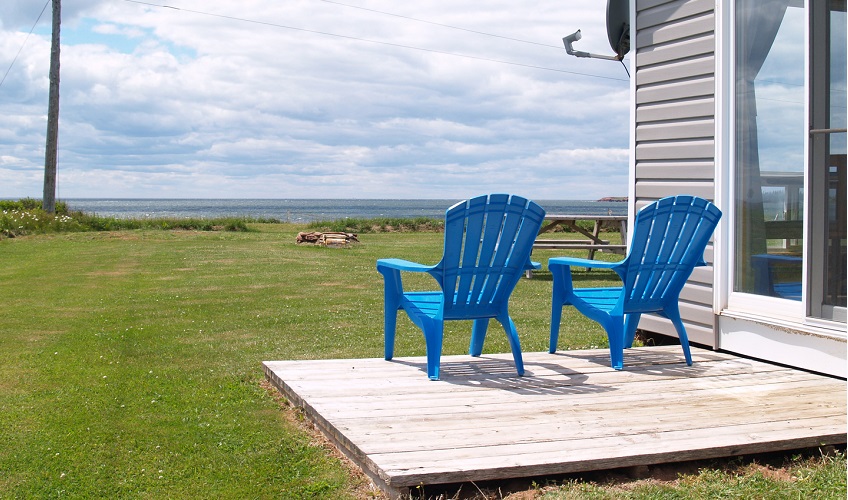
[618, 32]
[618, 26]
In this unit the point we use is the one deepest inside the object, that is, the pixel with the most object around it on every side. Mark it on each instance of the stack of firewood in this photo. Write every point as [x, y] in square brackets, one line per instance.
[333, 239]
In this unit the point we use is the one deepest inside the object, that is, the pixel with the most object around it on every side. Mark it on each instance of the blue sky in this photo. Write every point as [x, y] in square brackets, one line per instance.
[315, 99]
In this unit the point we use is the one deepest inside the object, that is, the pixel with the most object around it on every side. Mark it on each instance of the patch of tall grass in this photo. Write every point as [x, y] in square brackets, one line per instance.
[26, 216]
[800, 476]
[379, 225]
[415, 224]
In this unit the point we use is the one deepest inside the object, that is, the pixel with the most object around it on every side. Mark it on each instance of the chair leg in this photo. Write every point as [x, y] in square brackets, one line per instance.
[514, 344]
[433, 336]
[557, 301]
[478, 336]
[556, 317]
[615, 333]
[389, 329]
[673, 314]
[392, 294]
[631, 321]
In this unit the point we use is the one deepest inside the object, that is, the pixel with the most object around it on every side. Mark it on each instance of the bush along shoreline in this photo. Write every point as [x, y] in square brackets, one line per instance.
[380, 225]
[26, 217]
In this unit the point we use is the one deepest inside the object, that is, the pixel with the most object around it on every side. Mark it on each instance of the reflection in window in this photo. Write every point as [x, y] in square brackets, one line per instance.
[770, 158]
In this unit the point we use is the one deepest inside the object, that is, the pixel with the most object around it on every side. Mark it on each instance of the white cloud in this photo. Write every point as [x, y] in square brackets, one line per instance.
[219, 99]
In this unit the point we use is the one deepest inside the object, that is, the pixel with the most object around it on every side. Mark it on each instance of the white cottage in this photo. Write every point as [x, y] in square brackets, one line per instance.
[744, 102]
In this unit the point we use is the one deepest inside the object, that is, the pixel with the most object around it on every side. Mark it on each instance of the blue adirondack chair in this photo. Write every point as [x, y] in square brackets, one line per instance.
[488, 241]
[668, 241]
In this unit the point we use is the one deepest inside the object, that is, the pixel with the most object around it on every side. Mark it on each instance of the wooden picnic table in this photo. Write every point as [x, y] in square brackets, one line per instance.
[594, 242]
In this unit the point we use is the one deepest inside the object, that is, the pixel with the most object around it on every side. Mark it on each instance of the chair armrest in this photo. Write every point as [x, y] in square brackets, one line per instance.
[576, 261]
[403, 265]
[391, 270]
[532, 265]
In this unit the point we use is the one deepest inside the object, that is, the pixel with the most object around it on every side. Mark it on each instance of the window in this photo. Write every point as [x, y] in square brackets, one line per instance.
[827, 170]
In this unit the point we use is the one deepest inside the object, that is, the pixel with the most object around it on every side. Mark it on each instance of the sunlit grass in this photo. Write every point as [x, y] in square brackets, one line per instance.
[822, 477]
[132, 359]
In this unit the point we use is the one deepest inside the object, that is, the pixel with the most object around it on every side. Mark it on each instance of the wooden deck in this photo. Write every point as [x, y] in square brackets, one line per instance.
[569, 413]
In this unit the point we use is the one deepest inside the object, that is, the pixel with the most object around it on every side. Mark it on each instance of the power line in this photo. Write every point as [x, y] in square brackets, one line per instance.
[442, 25]
[379, 42]
[24, 43]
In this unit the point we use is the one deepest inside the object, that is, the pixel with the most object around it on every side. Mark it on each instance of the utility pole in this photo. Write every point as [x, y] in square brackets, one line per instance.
[50, 155]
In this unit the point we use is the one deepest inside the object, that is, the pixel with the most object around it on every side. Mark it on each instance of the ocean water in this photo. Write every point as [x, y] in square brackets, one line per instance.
[304, 211]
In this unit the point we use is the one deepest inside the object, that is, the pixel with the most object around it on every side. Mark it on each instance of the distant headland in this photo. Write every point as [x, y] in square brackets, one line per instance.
[613, 198]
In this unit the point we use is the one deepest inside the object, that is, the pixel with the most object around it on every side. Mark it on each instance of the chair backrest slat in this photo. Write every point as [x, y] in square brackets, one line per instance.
[668, 242]
[475, 219]
[488, 241]
[497, 228]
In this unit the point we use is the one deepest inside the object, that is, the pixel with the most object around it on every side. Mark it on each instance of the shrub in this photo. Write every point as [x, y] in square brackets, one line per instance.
[379, 225]
[31, 204]
[16, 222]
[25, 216]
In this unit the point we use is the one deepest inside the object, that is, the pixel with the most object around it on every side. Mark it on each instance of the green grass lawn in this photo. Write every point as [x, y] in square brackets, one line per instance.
[131, 360]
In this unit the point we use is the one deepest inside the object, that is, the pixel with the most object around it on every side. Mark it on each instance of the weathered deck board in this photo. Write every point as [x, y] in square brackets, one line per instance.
[569, 413]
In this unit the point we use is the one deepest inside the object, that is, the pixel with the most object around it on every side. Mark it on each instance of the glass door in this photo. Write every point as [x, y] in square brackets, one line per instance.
[789, 237]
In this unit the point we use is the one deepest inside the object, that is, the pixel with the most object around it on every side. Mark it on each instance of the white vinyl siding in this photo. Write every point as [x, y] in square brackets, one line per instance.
[674, 61]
